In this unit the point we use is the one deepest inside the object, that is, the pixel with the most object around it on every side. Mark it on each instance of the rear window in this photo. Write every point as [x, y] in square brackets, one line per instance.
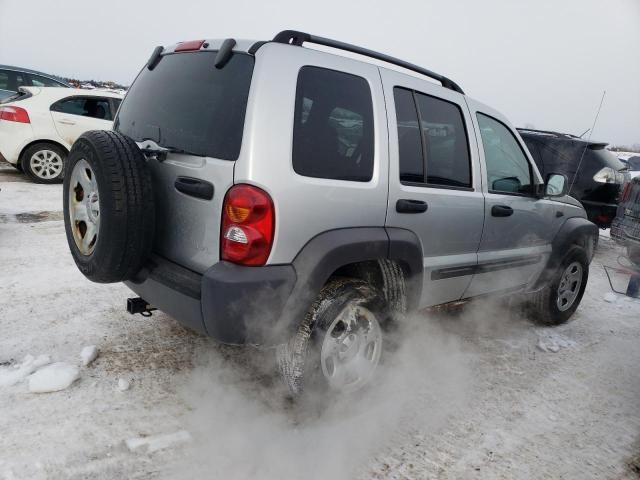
[606, 158]
[333, 130]
[186, 103]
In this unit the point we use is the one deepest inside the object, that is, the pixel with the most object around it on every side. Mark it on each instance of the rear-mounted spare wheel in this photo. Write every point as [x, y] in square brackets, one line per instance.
[109, 211]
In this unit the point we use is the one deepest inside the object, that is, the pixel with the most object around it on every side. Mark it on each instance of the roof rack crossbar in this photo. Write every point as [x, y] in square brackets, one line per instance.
[293, 37]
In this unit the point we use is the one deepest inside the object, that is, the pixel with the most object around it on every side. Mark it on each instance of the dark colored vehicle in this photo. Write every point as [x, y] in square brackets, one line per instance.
[625, 228]
[596, 176]
[12, 78]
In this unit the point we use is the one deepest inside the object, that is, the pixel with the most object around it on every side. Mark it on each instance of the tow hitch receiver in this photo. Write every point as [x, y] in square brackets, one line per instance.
[139, 305]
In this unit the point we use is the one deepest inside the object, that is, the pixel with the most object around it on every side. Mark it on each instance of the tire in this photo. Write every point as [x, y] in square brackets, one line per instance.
[107, 187]
[44, 162]
[544, 306]
[348, 314]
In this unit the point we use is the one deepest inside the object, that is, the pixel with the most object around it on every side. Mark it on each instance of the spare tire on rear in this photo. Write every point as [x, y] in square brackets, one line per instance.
[109, 213]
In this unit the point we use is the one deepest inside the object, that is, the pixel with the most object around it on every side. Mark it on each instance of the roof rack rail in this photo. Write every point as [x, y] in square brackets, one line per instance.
[293, 37]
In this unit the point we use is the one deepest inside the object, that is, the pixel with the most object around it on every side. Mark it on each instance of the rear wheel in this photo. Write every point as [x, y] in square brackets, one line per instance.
[558, 301]
[44, 162]
[338, 347]
[108, 206]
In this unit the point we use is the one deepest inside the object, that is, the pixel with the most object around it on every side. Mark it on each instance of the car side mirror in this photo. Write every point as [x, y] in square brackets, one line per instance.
[556, 185]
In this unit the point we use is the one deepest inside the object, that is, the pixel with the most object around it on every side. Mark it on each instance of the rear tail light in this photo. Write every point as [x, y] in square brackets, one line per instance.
[626, 193]
[14, 114]
[609, 175]
[248, 224]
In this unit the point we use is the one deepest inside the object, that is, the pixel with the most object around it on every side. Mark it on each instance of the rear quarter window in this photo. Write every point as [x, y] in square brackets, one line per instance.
[333, 126]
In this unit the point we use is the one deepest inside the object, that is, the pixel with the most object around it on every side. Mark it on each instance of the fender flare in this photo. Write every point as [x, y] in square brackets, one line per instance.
[574, 231]
[331, 250]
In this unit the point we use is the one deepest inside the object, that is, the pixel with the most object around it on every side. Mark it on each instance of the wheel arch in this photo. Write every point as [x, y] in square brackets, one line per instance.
[374, 254]
[42, 140]
[575, 231]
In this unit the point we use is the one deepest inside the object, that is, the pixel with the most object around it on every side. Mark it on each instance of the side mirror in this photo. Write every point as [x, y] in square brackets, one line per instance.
[556, 185]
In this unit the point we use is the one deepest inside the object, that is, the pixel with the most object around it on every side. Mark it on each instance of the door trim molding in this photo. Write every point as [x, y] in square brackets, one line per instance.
[486, 267]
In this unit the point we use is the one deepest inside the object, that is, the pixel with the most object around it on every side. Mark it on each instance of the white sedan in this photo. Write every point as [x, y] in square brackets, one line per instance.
[39, 125]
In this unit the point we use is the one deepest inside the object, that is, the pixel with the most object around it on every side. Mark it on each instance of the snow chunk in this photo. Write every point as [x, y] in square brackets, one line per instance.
[10, 376]
[88, 354]
[123, 384]
[158, 442]
[53, 378]
[553, 342]
[610, 297]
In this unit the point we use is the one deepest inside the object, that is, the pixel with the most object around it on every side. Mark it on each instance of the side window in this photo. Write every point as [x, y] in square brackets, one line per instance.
[71, 106]
[333, 126]
[446, 144]
[85, 107]
[508, 170]
[115, 102]
[4, 80]
[98, 108]
[38, 81]
[21, 80]
[409, 140]
[437, 152]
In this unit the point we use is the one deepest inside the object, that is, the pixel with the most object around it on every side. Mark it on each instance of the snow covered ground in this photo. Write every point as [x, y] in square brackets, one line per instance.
[475, 395]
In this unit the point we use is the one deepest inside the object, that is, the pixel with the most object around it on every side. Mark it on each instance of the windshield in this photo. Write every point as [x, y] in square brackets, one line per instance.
[187, 104]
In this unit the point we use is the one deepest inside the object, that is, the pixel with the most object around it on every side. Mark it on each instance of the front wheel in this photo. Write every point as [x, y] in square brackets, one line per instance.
[44, 163]
[338, 346]
[558, 301]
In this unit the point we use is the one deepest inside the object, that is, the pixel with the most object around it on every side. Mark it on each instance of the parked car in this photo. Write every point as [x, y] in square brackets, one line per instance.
[625, 228]
[12, 78]
[633, 164]
[39, 125]
[597, 183]
[266, 193]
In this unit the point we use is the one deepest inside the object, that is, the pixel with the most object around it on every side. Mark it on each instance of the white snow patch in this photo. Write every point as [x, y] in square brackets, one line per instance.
[88, 354]
[53, 378]
[610, 297]
[550, 341]
[123, 384]
[158, 442]
[11, 375]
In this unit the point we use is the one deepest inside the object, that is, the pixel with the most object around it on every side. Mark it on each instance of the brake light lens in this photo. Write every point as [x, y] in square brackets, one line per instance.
[190, 45]
[609, 175]
[248, 225]
[14, 114]
[626, 193]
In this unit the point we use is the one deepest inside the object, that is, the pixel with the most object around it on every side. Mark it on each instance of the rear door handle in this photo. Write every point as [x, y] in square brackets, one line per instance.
[194, 187]
[67, 122]
[411, 206]
[501, 211]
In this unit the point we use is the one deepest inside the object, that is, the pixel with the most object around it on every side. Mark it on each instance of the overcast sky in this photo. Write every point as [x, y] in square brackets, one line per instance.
[541, 62]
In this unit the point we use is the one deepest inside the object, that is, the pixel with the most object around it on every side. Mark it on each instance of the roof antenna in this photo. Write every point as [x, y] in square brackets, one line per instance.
[583, 133]
[604, 92]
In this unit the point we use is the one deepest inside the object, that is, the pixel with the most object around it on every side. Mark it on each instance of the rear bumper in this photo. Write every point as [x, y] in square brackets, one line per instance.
[13, 137]
[230, 303]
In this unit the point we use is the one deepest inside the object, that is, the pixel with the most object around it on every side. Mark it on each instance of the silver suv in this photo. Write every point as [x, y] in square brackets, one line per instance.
[270, 194]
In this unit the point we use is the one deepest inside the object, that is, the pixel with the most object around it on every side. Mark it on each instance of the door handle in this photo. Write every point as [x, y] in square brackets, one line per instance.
[501, 211]
[67, 122]
[411, 206]
[194, 187]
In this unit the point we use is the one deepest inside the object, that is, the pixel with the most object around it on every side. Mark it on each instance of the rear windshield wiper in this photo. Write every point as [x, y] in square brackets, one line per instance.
[151, 149]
